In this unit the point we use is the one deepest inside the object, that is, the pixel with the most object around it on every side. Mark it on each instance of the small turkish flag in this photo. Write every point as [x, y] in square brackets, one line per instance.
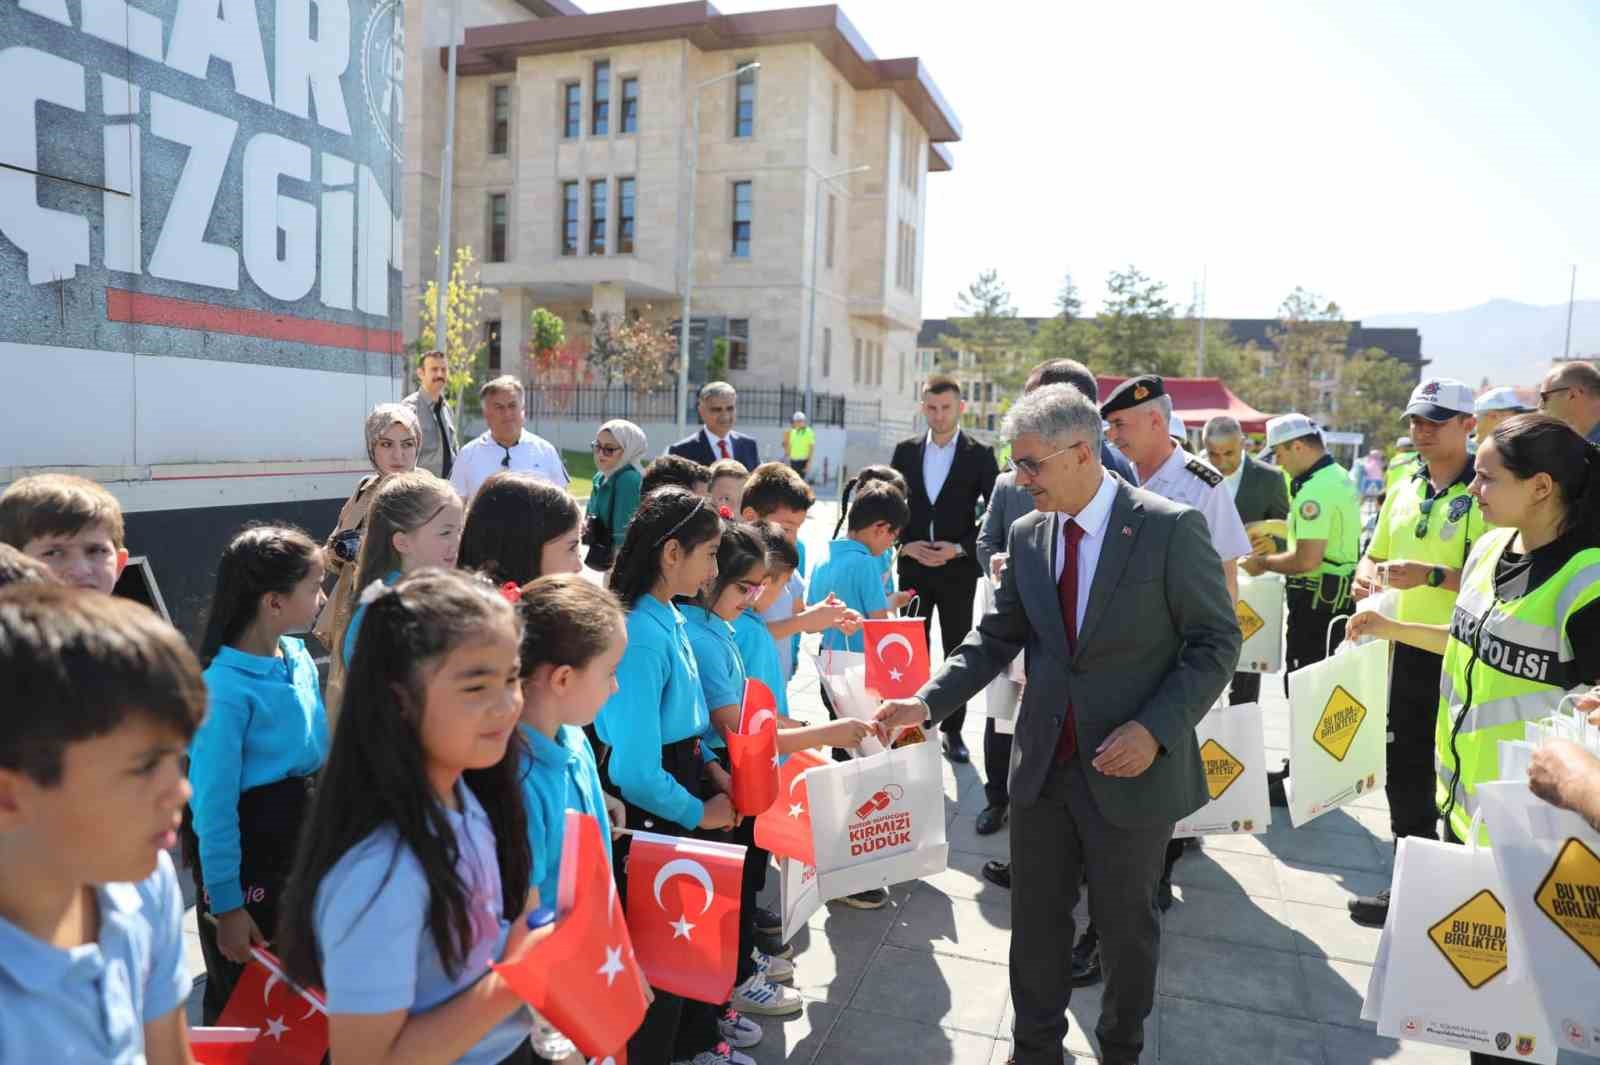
[896, 657]
[683, 912]
[753, 750]
[785, 828]
[293, 1021]
[222, 1046]
[583, 976]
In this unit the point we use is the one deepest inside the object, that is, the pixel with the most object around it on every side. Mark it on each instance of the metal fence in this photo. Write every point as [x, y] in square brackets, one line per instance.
[757, 406]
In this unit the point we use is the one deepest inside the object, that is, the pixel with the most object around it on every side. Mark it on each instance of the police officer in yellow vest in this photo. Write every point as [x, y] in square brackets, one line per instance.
[799, 440]
[1402, 465]
[1324, 546]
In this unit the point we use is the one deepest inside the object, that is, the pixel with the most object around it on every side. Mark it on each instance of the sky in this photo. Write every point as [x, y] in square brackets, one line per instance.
[1392, 158]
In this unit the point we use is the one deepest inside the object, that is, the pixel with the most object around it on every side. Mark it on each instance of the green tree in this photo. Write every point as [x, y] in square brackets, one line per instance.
[1373, 390]
[1301, 367]
[717, 364]
[989, 340]
[464, 343]
[1137, 331]
[1066, 335]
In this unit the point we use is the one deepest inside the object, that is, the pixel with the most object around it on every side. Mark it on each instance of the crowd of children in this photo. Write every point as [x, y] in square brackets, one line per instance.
[387, 836]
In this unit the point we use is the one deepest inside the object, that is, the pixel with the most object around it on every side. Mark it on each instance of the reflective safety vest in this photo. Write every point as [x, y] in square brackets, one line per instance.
[1506, 662]
[801, 441]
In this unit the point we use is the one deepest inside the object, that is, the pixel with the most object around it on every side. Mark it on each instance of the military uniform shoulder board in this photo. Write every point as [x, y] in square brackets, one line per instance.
[1203, 470]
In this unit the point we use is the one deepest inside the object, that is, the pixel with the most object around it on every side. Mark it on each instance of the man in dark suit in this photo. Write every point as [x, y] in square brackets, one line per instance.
[1259, 493]
[1117, 596]
[950, 477]
[716, 438]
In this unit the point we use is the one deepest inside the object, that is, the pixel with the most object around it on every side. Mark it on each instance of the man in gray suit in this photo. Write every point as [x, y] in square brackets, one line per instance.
[1118, 598]
[436, 451]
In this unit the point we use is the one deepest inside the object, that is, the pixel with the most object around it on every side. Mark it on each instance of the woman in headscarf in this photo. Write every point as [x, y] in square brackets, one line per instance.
[618, 454]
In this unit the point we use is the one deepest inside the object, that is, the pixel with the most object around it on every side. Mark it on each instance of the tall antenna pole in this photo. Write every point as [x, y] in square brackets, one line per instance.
[1566, 347]
[1200, 327]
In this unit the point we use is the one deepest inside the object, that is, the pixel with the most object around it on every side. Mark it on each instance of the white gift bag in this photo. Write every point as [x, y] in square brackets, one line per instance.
[1260, 614]
[844, 675]
[1338, 717]
[1002, 696]
[1549, 861]
[1233, 752]
[877, 820]
[797, 894]
[1446, 980]
[1371, 1005]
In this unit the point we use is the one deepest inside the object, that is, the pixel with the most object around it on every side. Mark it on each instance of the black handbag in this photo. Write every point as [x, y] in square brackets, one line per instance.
[597, 538]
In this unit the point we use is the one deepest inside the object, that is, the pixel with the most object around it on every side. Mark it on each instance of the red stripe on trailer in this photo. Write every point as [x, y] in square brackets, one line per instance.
[145, 309]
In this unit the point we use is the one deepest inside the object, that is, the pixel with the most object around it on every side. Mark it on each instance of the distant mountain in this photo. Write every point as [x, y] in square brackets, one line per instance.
[1507, 342]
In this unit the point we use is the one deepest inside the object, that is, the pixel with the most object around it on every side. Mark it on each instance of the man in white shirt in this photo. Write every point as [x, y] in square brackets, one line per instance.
[505, 445]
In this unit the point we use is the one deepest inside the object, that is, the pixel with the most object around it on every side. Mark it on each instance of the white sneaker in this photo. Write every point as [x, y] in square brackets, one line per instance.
[722, 1055]
[738, 1030]
[761, 996]
[778, 970]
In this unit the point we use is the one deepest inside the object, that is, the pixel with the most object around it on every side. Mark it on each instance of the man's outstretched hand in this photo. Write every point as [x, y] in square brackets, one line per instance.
[897, 714]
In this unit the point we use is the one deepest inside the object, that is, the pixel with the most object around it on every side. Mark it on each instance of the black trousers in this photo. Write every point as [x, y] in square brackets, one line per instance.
[996, 765]
[1056, 842]
[1244, 688]
[1307, 638]
[1413, 713]
[949, 590]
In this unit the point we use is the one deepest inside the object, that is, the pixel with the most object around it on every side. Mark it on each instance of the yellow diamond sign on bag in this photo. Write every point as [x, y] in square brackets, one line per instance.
[1340, 721]
[1472, 938]
[1250, 622]
[1570, 896]
[1222, 768]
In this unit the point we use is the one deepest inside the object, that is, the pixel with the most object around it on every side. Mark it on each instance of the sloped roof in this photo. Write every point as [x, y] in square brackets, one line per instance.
[1199, 399]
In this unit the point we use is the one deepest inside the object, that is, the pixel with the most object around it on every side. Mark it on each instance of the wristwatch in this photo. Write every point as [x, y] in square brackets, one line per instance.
[1436, 577]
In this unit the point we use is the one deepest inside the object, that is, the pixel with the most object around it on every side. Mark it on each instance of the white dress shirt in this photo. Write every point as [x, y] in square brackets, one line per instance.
[715, 441]
[483, 458]
[1231, 481]
[936, 463]
[1092, 519]
[1174, 481]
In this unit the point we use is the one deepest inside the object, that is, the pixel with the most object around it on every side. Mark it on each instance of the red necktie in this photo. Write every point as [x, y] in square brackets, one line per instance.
[1067, 591]
[723, 446]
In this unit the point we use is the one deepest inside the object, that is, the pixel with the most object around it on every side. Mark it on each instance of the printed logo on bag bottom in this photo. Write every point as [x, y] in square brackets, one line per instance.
[1340, 721]
[1222, 768]
[1472, 938]
[1577, 1035]
[1570, 896]
[878, 826]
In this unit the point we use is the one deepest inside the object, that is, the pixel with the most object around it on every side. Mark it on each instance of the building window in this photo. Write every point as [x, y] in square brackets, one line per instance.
[833, 210]
[571, 109]
[738, 343]
[491, 339]
[744, 104]
[630, 105]
[827, 352]
[499, 227]
[597, 217]
[833, 120]
[625, 216]
[742, 193]
[499, 119]
[600, 108]
[569, 218]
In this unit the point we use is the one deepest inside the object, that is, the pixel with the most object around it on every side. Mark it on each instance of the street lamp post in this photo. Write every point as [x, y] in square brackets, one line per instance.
[688, 244]
[816, 253]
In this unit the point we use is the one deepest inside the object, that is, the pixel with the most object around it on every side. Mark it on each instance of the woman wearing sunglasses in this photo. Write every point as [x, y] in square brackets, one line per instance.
[618, 450]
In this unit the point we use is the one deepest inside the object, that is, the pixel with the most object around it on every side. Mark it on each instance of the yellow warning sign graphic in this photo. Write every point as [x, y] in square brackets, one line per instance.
[1340, 721]
[1472, 938]
[1250, 622]
[1570, 896]
[1222, 768]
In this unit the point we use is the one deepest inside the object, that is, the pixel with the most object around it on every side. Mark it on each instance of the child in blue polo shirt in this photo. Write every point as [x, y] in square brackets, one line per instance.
[264, 737]
[100, 698]
[852, 571]
[880, 475]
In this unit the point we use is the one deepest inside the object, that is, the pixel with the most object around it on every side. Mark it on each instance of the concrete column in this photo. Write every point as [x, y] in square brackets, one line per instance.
[608, 297]
[514, 310]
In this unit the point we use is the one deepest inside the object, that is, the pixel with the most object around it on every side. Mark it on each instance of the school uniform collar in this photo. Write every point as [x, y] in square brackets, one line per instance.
[847, 546]
[255, 665]
[550, 753]
[33, 962]
[702, 615]
[470, 808]
[1316, 467]
[667, 615]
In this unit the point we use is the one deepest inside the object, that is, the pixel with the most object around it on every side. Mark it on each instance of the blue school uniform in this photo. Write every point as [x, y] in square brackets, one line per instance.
[853, 575]
[264, 723]
[886, 563]
[759, 653]
[559, 775]
[716, 654]
[658, 702]
[347, 650]
[371, 922]
[798, 585]
[91, 1003]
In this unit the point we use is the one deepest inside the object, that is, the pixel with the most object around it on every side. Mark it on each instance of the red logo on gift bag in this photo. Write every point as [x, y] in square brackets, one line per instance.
[753, 750]
[293, 1021]
[896, 656]
[584, 976]
[785, 829]
[683, 913]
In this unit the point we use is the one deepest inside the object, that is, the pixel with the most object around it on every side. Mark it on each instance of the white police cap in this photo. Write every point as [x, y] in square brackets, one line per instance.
[1287, 427]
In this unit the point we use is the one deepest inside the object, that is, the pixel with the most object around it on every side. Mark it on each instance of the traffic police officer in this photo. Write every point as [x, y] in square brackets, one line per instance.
[1426, 529]
[1401, 466]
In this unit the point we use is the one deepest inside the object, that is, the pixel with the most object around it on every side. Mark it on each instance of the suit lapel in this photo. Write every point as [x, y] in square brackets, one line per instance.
[1122, 532]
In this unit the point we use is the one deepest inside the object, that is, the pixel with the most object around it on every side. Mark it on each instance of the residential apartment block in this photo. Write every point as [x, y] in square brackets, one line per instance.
[572, 174]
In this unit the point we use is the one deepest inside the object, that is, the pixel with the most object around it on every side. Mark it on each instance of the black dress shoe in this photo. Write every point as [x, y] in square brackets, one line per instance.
[991, 820]
[1370, 911]
[1275, 793]
[955, 749]
[998, 873]
[1164, 895]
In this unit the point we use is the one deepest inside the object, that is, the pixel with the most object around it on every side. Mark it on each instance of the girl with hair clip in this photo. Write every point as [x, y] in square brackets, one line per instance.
[885, 475]
[1526, 631]
[264, 736]
[415, 522]
[520, 527]
[653, 729]
[413, 873]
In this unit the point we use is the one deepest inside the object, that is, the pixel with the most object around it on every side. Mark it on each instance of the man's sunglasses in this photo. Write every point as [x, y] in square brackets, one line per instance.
[1422, 522]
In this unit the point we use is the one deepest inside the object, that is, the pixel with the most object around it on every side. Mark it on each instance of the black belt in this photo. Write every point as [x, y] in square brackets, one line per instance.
[270, 817]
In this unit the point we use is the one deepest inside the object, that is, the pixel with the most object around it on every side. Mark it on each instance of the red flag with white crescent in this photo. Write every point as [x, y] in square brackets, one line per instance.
[753, 750]
[785, 828]
[584, 976]
[222, 1046]
[896, 656]
[683, 913]
[293, 1021]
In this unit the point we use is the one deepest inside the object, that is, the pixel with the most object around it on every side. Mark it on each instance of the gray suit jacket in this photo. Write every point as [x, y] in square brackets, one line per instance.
[1263, 493]
[430, 449]
[1158, 644]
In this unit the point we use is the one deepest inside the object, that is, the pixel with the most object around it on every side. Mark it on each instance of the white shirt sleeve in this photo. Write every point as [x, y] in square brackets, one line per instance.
[1227, 531]
[458, 471]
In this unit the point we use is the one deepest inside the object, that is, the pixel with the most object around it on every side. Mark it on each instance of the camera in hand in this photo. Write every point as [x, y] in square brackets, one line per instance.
[347, 545]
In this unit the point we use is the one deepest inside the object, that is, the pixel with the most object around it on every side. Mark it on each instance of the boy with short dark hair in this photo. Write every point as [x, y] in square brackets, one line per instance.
[100, 700]
[72, 525]
[675, 470]
[853, 572]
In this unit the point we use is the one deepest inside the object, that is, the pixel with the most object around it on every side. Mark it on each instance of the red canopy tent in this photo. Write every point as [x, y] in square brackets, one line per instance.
[1198, 399]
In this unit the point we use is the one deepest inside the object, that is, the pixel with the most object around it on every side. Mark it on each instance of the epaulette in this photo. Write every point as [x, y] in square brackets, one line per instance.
[1204, 470]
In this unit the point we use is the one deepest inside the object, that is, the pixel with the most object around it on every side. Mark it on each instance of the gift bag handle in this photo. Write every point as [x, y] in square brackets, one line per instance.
[1474, 828]
[1588, 735]
[1327, 640]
